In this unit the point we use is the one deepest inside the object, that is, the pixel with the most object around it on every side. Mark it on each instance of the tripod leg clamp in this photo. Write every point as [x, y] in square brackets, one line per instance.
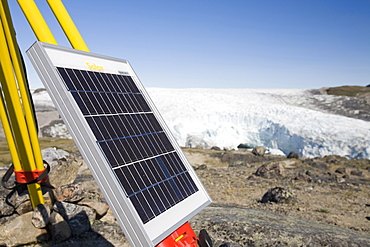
[24, 177]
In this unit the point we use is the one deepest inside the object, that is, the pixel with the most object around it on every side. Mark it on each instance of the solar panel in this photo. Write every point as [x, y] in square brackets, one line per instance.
[148, 183]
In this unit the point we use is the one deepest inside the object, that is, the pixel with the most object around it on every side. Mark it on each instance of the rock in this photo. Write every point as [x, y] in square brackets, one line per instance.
[91, 190]
[55, 128]
[216, 148]
[243, 146]
[259, 151]
[201, 167]
[341, 180]
[109, 217]
[99, 207]
[271, 170]
[341, 170]
[59, 228]
[48, 195]
[303, 177]
[20, 231]
[5, 219]
[278, 195]
[317, 164]
[228, 244]
[20, 200]
[110, 233]
[288, 163]
[78, 217]
[5, 208]
[70, 210]
[238, 163]
[41, 216]
[100, 235]
[293, 155]
[51, 155]
[63, 172]
[69, 193]
[357, 173]
[335, 159]
[84, 169]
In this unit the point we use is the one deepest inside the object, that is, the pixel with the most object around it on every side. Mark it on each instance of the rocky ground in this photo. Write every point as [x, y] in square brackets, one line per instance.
[257, 201]
[332, 190]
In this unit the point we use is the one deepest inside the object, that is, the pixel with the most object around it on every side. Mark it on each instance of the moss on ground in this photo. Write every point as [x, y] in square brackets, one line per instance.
[352, 91]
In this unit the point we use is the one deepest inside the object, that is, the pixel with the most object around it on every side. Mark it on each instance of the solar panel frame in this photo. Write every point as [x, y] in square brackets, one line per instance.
[46, 58]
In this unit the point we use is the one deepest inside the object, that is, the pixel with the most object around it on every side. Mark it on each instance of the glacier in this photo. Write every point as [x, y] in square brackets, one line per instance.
[283, 120]
[275, 118]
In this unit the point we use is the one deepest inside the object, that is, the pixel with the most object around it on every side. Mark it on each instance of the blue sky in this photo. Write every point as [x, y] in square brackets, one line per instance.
[222, 44]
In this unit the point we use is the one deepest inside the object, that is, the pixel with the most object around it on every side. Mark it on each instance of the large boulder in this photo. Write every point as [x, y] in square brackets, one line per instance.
[69, 193]
[52, 154]
[41, 216]
[63, 169]
[20, 201]
[293, 155]
[20, 231]
[279, 195]
[259, 151]
[100, 208]
[59, 228]
[109, 217]
[78, 217]
[271, 170]
[63, 172]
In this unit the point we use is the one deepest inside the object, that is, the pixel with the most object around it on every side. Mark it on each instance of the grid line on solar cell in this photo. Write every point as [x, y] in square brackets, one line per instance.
[132, 140]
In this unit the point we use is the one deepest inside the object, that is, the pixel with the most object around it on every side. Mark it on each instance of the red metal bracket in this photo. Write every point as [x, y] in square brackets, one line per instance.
[184, 236]
[24, 177]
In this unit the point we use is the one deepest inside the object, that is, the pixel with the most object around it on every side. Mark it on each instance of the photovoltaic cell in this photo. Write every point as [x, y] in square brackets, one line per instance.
[132, 140]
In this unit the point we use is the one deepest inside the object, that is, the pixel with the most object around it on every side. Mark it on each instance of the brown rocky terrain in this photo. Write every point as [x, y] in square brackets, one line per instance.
[331, 190]
[311, 202]
[318, 196]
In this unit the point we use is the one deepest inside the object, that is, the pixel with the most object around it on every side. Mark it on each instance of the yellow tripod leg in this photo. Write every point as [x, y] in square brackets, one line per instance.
[8, 132]
[21, 79]
[36, 21]
[67, 25]
[15, 111]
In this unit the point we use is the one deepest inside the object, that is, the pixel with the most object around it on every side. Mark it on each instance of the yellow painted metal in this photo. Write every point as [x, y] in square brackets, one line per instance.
[8, 132]
[3, 114]
[67, 25]
[21, 79]
[36, 188]
[36, 21]
[16, 114]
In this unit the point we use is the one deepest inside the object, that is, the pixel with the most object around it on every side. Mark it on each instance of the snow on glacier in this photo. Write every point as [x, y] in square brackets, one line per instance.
[42, 100]
[279, 119]
[275, 118]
